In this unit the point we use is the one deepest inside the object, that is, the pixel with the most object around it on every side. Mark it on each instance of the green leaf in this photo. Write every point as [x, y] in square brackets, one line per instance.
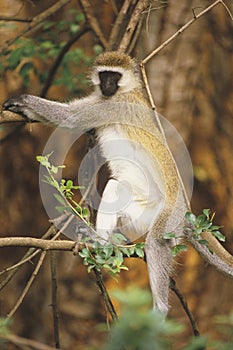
[84, 252]
[74, 28]
[118, 238]
[169, 235]
[206, 212]
[107, 251]
[139, 252]
[198, 231]
[54, 169]
[60, 208]
[190, 217]
[203, 242]
[69, 184]
[219, 235]
[85, 212]
[214, 227]
[60, 199]
[178, 248]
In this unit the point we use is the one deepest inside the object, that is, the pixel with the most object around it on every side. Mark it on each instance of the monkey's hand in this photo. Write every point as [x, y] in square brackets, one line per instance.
[18, 104]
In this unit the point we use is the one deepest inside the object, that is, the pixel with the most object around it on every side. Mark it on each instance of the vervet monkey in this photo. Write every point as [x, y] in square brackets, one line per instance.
[144, 183]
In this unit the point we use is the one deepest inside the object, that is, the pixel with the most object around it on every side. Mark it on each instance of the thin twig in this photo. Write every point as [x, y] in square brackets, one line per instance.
[183, 28]
[8, 19]
[133, 41]
[107, 299]
[51, 232]
[24, 343]
[35, 22]
[185, 306]
[20, 263]
[146, 83]
[28, 285]
[53, 266]
[87, 8]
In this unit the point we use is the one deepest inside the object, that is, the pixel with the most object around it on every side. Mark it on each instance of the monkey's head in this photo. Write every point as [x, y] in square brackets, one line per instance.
[115, 72]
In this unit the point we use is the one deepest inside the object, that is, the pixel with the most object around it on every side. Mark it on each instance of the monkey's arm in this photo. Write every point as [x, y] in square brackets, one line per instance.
[47, 111]
[82, 114]
[37, 108]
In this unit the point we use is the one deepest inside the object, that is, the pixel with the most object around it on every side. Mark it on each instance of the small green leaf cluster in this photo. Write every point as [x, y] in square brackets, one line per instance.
[65, 189]
[199, 224]
[109, 256]
[203, 223]
[46, 46]
[178, 247]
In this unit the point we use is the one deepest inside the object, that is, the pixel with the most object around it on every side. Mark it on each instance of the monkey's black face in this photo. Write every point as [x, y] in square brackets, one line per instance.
[109, 82]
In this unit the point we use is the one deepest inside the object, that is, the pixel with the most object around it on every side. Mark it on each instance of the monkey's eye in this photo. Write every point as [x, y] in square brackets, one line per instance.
[109, 82]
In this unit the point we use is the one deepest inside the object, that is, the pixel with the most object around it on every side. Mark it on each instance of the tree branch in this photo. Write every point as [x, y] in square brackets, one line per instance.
[135, 19]
[53, 269]
[184, 27]
[35, 22]
[28, 285]
[8, 19]
[107, 300]
[24, 343]
[87, 8]
[11, 117]
[42, 244]
[117, 27]
[51, 232]
[185, 307]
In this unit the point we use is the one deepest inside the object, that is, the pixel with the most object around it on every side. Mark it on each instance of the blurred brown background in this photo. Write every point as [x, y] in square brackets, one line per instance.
[191, 82]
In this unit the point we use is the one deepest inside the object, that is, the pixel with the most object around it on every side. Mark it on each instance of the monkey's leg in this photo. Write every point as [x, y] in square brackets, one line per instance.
[159, 262]
[107, 215]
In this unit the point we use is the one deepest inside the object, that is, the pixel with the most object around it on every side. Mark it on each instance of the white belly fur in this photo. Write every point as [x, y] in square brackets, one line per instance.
[136, 191]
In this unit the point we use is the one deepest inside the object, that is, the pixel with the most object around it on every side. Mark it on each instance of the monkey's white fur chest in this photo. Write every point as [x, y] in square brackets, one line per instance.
[135, 192]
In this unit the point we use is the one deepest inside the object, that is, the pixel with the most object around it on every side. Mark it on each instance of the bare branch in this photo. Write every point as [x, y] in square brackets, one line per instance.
[24, 343]
[53, 268]
[24, 20]
[87, 8]
[11, 117]
[28, 285]
[117, 28]
[183, 28]
[185, 307]
[51, 232]
[107, 300]
[42, 244]
[35, 22]
[132, 25]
